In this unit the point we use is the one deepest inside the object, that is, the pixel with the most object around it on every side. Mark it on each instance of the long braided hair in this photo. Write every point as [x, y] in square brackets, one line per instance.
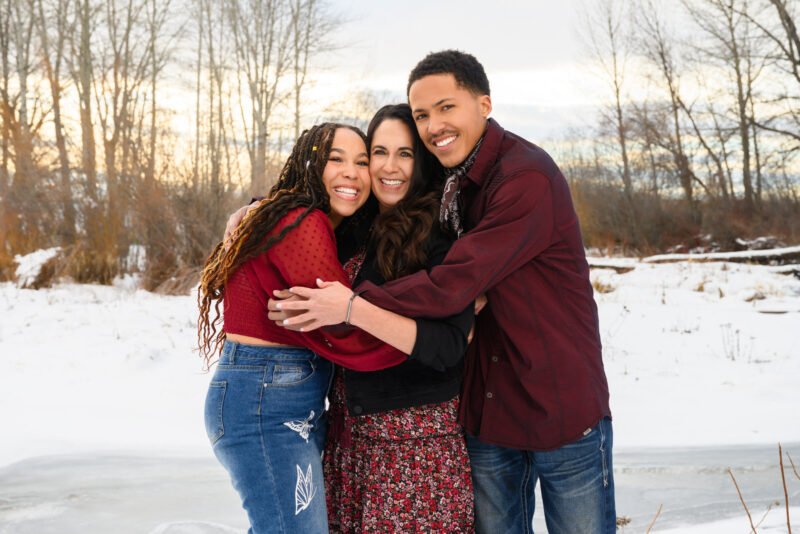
[400, 234]
[299, 184]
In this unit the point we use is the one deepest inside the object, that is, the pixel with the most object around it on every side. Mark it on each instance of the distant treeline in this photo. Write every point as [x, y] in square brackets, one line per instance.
[699, 139]
[90, 159]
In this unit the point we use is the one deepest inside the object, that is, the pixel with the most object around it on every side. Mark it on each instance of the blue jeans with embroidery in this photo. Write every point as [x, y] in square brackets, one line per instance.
[577, 485]
[264, 418]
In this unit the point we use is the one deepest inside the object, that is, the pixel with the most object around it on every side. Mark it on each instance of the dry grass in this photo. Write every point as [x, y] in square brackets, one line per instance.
[602, 287]
[180, 282]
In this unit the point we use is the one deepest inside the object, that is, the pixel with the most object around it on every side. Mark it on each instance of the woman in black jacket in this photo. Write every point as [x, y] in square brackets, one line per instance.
[395, 459]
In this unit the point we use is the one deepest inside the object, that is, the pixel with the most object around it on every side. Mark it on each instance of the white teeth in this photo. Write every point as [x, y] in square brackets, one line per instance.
[446, 141]
[386, 181]
[346, 191]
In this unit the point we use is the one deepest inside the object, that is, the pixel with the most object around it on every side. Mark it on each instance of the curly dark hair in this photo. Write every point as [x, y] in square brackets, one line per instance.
[466, 69]
[400, 234]
[299, 184]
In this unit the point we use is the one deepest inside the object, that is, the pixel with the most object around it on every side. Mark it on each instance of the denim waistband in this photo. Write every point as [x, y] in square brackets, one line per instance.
[233, 352]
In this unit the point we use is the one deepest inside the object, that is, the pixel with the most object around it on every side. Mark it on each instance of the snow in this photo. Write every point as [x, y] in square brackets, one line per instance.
[109, 368]
[136, 260]
[697, 355]
[701, 353]
[29, 265]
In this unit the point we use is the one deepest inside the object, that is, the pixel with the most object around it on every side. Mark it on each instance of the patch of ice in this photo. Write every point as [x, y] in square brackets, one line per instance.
[33, 512]
[773, 521]
[194, 527]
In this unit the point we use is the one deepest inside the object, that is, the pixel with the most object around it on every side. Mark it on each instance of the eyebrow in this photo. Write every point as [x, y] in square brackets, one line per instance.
[440, 102]
[343, 152]
[400, 148]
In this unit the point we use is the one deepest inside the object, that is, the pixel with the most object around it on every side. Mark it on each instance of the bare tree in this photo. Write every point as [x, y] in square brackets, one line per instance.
[5, 107]
[24, 113]
[312, 24]
[122, 71]
[22, 38]
[214, 164]
[156, 18]
[731, 46]
[776, 22]
[610, 45]
[261, 33]
[657, 46]
[646, 135]
[81, 62]
[357, 108]
[719, 161]
[198, 92]
[52, 58]
[5, 130]
[303, 15]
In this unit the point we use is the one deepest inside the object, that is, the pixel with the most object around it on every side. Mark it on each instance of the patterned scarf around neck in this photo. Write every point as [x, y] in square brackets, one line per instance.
[449, 212]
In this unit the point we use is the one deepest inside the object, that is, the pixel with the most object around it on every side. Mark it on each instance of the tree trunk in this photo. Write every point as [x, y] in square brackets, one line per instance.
[84, 82]
[5, 109]
[53, 73]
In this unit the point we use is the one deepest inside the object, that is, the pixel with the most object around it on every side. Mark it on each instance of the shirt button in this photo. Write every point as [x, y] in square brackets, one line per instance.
[494, 359]
[357, 409]
[489, 395]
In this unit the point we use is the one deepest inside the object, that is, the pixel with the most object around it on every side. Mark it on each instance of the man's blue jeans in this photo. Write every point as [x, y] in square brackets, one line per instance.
[577, 485]
[264, 418]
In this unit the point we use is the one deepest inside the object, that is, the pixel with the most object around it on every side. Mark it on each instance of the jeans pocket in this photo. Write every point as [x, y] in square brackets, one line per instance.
[215, 398]
[292, 374]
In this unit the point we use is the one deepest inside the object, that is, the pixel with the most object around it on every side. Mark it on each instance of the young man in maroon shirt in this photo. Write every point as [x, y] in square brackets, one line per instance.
[535, 398]
[534, 401]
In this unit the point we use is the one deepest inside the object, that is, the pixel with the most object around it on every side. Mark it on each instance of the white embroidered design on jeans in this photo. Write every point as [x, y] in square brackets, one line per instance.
[302, 427]
[304, 490]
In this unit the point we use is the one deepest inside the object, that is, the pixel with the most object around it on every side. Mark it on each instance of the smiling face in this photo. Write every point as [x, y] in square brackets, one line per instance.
[450, 119]
[346, 175]
[391, 163]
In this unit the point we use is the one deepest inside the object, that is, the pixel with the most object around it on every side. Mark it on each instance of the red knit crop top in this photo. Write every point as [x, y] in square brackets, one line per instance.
[306, 253]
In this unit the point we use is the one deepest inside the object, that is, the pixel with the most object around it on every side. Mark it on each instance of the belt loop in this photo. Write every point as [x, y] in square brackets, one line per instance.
[233, 353]
[229, 353]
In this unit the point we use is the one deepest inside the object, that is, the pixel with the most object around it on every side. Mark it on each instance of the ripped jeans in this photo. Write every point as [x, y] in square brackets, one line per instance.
[264, 418]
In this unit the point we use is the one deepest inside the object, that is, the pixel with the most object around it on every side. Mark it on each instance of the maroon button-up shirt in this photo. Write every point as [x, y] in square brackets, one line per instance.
[534, 375]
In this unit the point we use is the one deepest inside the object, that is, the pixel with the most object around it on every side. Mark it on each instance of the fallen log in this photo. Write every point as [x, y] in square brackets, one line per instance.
[771, 256]
[619, 265]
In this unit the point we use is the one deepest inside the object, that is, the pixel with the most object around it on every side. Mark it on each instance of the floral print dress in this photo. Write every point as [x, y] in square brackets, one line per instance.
[404, 470]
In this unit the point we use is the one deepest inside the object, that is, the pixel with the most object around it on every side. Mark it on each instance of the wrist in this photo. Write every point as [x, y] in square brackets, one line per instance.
[356, 311]
[348, 318]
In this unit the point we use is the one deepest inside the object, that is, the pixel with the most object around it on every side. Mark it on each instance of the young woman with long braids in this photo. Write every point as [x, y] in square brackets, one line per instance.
[266, 400]
[396, 459]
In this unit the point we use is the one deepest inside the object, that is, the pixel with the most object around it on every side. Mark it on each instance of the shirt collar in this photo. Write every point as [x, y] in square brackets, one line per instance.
[488, 152]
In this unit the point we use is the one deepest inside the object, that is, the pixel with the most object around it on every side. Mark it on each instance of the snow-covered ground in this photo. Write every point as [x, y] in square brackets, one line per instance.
[697, 355]
[701, 353]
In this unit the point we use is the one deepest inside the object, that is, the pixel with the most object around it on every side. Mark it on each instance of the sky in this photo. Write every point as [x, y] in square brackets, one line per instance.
[532, 51]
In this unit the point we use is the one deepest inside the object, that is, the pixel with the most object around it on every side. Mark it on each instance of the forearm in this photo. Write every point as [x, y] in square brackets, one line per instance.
[516, 227]
[395, 330]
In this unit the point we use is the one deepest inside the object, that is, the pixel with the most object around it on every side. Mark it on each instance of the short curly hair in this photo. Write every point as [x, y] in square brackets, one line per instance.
[467, 70]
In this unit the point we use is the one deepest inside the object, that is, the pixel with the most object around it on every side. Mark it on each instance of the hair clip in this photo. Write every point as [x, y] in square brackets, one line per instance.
[314, 148]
